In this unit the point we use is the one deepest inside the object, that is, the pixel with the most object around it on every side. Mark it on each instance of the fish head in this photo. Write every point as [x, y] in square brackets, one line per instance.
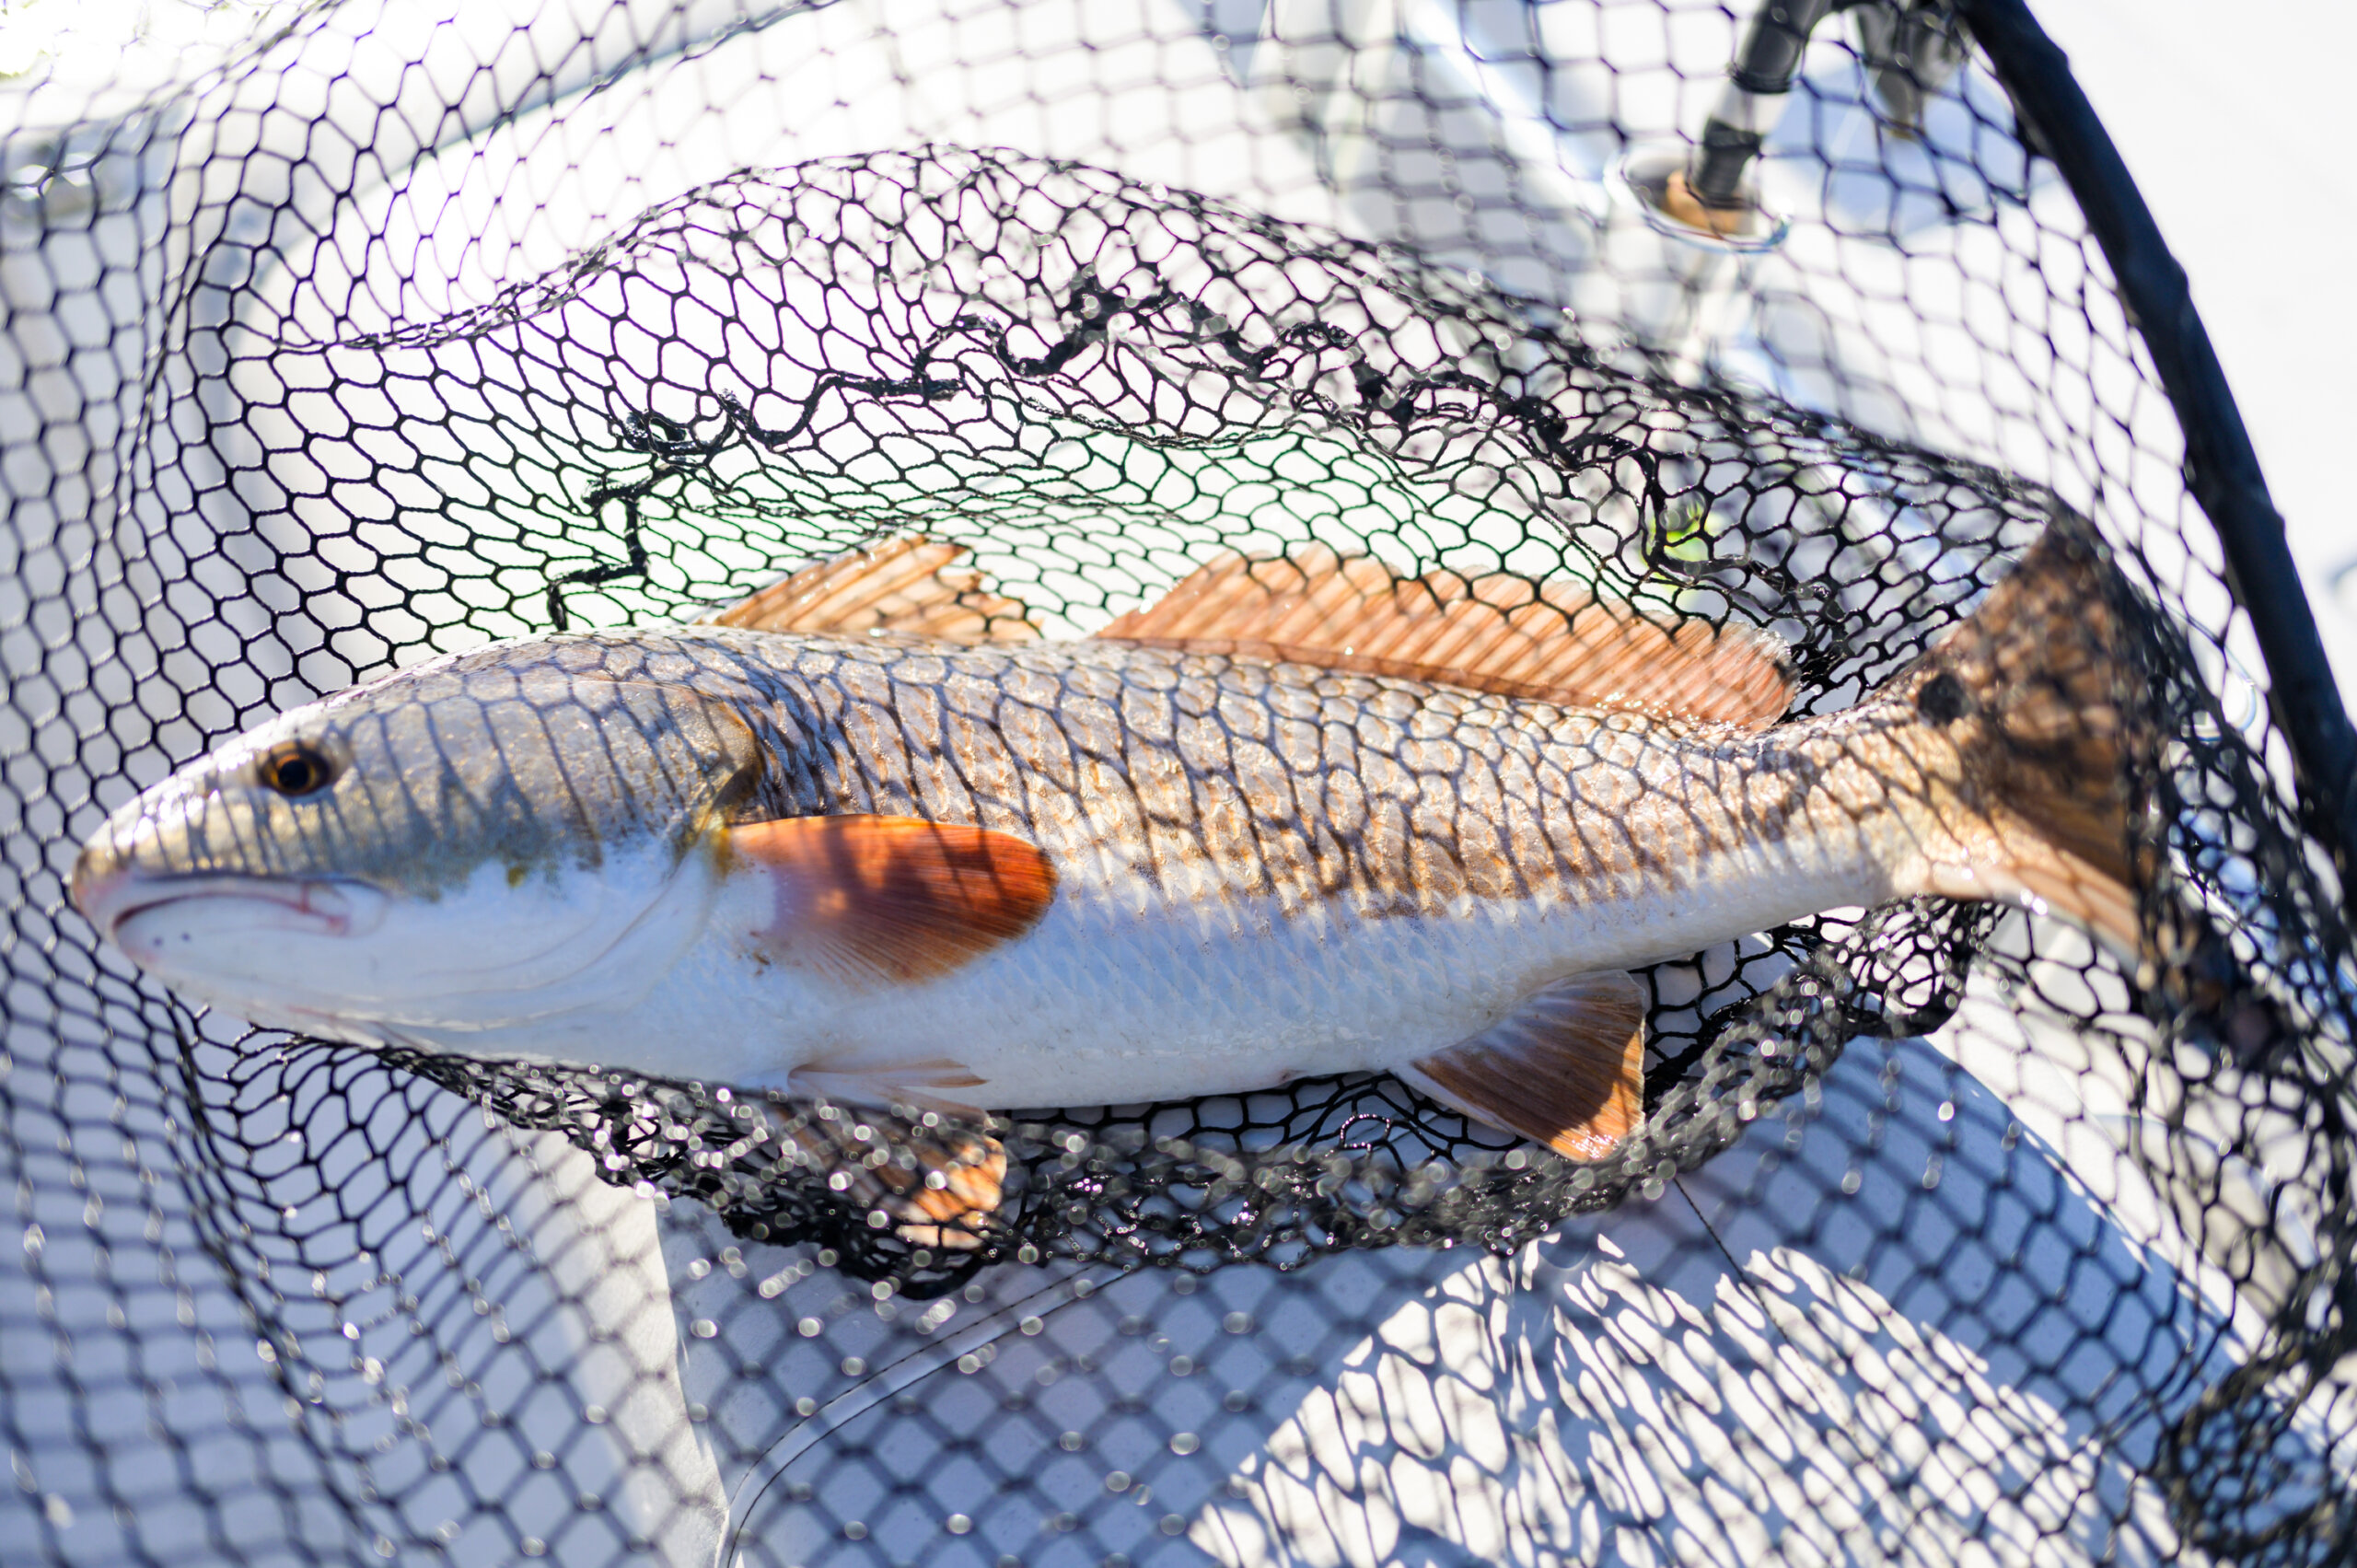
[484, 840]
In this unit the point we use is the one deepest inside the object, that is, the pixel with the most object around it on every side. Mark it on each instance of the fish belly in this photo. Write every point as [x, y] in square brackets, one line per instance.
[1116, 999]
[1171, 1003]
[1081, 1013]
[1187, 1008]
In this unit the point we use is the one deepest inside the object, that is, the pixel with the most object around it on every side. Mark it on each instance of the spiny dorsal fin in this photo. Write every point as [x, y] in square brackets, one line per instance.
[1555, 642]
[903, 585]
[1565, 1069]
[873, 901]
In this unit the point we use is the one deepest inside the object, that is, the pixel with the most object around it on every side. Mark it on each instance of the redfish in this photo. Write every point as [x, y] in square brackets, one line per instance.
[867, 837]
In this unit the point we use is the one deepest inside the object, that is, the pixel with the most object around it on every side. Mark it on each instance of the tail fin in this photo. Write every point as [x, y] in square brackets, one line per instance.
[2042, 694]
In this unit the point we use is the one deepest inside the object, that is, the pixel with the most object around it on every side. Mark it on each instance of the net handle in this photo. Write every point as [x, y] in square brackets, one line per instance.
[2220, 468]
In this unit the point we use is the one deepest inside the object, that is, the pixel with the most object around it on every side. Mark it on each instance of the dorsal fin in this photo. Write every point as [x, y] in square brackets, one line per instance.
[1555, 642]
[903, 585]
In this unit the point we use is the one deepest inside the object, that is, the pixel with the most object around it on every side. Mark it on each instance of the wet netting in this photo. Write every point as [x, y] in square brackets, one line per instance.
[343, 336]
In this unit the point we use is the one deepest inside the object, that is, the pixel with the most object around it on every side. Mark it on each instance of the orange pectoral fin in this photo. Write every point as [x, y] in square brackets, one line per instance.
[874, 900]
[1566, 1068]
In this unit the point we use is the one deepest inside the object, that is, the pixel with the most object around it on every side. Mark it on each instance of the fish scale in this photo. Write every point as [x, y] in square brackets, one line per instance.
[1394, 823]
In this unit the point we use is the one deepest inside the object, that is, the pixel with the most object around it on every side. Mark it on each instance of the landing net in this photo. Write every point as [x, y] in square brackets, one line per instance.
[338, 336]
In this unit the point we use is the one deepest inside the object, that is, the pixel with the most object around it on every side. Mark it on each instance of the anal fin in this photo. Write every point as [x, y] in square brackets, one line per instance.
[1565, 1069]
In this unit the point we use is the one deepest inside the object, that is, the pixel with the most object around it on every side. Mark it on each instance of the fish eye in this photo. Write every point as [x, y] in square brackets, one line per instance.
[295, 769]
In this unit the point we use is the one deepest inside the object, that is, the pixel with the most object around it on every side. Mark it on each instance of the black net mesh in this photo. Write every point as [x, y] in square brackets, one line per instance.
[343, 336]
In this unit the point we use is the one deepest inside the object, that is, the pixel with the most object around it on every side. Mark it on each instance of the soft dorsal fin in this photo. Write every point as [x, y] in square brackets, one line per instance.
[1565, 1069]
[1555, 642]
[903, 585]
[871, 901]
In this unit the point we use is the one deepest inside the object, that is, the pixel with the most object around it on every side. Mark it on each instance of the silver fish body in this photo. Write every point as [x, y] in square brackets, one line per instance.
[1261, 867]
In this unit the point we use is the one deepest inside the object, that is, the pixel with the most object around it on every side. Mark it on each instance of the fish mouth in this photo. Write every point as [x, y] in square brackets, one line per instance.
[137, 910]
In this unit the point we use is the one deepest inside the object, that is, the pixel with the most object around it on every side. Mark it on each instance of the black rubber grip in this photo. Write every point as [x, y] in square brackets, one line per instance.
[1766, 65]
[1726, 151]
